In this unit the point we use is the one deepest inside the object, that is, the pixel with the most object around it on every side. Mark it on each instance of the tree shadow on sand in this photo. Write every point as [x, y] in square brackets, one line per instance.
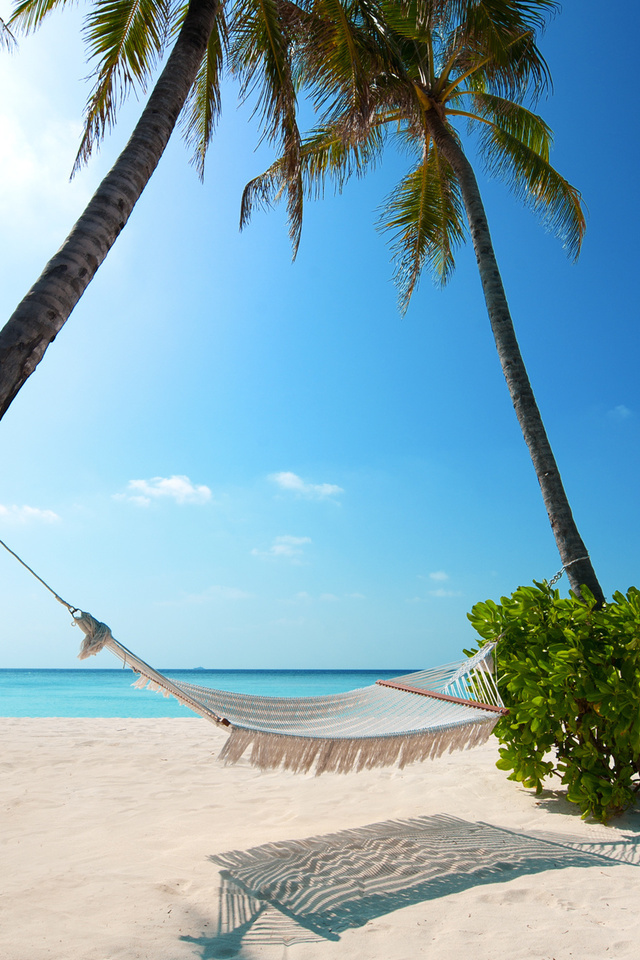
[298, 891]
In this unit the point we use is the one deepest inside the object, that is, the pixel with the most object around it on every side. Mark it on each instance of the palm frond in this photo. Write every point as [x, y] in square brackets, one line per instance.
[126, 38]
[346, 46]
[424, 215]
[515, 120]
[496, 45]
[7, 39]
[534, 181]
[329, 156]
[325, 156]
[261, 55]
[29, 14]
[262, 192]
[202, 109]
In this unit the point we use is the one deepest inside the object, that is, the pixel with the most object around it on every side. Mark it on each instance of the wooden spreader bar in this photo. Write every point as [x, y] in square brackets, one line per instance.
[441, 696]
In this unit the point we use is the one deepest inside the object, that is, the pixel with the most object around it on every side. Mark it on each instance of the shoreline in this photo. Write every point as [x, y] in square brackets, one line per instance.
[110, 825]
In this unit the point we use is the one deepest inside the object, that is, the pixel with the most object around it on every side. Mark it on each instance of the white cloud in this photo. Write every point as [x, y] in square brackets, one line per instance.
[218, 592]
[178, 488]
[620, 412]
[304, 597]
[439, 592]
[300, 597]
[285, 547]
[311, 491]
[25, 514]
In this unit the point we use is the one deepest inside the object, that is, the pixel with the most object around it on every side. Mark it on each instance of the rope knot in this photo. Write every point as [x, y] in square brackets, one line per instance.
[97, 635]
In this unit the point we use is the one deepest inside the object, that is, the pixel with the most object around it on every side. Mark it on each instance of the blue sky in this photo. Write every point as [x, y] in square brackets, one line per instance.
[237, 461]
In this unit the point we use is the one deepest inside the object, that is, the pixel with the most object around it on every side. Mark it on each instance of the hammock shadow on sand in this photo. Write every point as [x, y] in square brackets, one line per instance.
[314, 889]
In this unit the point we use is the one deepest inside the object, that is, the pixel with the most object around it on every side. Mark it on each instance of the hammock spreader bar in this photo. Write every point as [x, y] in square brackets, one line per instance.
[441, 696]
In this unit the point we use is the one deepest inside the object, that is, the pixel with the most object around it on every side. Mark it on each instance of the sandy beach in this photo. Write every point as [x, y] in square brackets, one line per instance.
[116, 838]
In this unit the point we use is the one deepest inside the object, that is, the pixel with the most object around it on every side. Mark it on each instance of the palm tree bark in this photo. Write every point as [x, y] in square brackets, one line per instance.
[47, 306]
[573, 552]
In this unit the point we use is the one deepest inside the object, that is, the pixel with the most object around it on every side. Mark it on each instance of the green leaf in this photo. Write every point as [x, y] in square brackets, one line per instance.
[577, 697]
[425, 219]
[125, 38]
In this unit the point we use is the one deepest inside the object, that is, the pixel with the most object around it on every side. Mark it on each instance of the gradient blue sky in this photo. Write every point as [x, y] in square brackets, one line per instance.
[237, 461]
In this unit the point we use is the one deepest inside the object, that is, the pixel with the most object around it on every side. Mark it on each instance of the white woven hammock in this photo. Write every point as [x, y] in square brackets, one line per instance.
[414, 717]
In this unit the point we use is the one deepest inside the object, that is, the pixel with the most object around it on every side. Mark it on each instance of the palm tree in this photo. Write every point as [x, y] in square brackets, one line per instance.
[7, 39]
[125, 39]
[381, 67]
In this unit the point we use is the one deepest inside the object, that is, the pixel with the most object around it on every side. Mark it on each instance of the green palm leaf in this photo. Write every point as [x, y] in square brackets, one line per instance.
[29, 14]
[345, 44]
[329, 156]
[515, 120]
[424, 215]
[126, 38]
[260, 55]
[324, 156]
[493, 46]
[534, 181]
[202, 108]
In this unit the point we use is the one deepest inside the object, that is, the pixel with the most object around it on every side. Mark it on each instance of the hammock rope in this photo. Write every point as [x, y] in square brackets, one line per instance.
[416, 717]
[411, 718]
[72, 610]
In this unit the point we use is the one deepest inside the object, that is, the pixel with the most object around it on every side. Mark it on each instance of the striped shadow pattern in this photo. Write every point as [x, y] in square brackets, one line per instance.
[327, 884]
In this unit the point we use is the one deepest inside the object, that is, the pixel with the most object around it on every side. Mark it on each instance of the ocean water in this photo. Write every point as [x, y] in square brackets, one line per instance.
[109, 693]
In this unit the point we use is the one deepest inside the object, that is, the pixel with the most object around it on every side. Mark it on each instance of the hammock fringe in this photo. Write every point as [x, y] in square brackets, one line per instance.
[301, 754]
[325, 734]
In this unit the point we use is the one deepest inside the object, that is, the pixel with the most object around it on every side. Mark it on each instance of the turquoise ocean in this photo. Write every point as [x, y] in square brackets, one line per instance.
[109, 693]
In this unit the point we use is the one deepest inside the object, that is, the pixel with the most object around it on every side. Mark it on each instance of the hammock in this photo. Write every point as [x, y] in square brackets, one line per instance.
[411, 718]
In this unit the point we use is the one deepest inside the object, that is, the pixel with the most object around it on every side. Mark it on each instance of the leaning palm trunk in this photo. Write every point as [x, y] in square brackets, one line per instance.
[46, 307]
[572, 550]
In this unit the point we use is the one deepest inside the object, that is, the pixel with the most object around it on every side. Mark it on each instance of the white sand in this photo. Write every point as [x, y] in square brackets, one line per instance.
[107, 827]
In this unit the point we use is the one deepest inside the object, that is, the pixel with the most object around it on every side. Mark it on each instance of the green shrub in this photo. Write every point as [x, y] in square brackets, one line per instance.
[570, 675]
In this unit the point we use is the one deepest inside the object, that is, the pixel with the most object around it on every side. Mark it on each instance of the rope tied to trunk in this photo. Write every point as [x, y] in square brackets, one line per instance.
[564, 567]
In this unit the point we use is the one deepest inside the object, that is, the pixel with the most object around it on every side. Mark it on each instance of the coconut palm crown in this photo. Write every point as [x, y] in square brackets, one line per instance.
[401, 71]
[411, 72]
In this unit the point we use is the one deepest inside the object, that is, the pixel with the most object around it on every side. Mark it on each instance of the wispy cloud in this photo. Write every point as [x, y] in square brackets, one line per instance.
[304, 597]
[292, 483]
[284, 548]
[620, 412]
[218, 592]
[26, 514]
[289, 622]
[178, 488]
[439, 575]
